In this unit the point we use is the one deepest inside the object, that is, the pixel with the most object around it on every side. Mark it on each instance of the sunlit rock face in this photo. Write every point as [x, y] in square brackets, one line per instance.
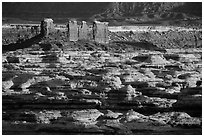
[100, 32]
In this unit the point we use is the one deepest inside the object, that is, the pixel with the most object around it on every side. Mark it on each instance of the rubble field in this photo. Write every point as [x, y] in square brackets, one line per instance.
[140, 83]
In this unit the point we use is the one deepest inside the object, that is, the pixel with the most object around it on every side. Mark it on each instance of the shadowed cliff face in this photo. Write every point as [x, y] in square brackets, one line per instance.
[142, 10]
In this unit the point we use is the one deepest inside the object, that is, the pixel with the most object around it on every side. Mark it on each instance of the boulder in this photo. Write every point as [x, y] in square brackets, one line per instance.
[129, 92]
[6, 85]
[46, 116]
[113, 82]
[85, 84]
[162, 102]
[112, 115]
[192, 81]
[132, 115]
[87, 116]
[93, 101]
[128, 89]
[147, 72]
[4, 60]
[181, 119]
[85, 92]
[156, 60]
[33, 82]
[63, 60]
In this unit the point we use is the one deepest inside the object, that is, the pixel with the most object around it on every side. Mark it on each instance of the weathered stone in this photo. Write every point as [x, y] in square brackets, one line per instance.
[112, 115]
[177, 119]
[72, 30]
[86, 84]
[83, 31]
[100, 32]
[156, 60]
[117, 126]
[188, 58]
[193, 80]
[86, 116]
[129, 92]
[148, 73]
[172, 90]
[4, 60]
[163, 117]
[113, 82]
[134, 77]
[132, 115]
[6, 85]
[162, 102]
[47, 26]
[85, 92]
[45, 116]
[34, 80]
[128, 89]
[93, 101]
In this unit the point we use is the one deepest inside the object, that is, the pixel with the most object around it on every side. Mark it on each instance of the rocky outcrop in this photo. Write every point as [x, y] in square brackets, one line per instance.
[113, 82]
[87, 117]
[156, 60]
[83, 31]
[45, 116]
[100, 32]
[132, 115]
[47, 26]
[6, 85]
[177, 119]
[73, 30]
[112, 115]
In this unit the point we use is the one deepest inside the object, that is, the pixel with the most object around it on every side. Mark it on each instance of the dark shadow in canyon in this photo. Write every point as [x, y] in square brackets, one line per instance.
[22, 44]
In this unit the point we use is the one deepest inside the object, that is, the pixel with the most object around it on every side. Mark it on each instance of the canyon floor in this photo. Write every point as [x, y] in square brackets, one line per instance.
[147, 80]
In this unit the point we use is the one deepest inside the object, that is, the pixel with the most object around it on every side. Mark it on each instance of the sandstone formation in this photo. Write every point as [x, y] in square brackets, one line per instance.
[72, 30]
[83, 31]
[47, 26]
[100, 32]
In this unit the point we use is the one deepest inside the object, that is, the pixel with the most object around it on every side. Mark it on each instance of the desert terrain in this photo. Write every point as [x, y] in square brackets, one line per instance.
[146, 80]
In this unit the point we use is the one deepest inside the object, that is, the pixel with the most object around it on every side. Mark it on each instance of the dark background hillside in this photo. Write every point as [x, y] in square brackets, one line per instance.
[59, 11]
[139, 11]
